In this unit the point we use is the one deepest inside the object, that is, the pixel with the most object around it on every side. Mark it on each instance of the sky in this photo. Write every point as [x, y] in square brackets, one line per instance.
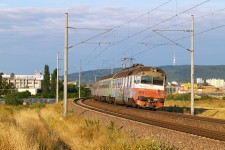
[101, 33]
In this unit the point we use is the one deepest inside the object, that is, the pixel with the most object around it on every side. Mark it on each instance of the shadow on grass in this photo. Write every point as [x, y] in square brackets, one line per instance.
[182, 110]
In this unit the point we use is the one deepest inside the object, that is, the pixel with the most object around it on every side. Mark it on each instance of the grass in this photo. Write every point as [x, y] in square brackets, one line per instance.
[42, 127]
[213, 108]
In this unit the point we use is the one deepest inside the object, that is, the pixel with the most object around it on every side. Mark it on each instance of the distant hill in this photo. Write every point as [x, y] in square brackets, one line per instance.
[89, 76]
[174, 73]
[183, 73]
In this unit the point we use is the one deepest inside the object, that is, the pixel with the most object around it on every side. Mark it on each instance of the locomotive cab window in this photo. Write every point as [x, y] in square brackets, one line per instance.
[146, 79]
[137, 79]
[158, 81]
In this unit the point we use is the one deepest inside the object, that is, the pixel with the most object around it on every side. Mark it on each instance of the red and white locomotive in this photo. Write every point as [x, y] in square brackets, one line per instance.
[136, 86]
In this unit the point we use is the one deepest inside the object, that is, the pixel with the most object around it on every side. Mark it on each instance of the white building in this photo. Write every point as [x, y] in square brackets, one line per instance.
[216, 82]
[25, 82]
[200, 80]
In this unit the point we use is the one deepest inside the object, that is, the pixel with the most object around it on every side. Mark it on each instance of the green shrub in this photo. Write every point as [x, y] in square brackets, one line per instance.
[181, 97]
[12, 99]
[15, 98]
[206, 97]
[72, 95]
[25, 94]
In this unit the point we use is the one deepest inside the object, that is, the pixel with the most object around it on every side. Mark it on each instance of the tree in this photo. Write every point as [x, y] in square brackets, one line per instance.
[1, 83]
[6, 87]
[85, 92]
[46, 82]
[53, 83]
[12, 75]
[16, 98]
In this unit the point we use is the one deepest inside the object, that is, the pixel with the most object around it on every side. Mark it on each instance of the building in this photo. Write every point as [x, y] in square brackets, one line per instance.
[25, 82]
[172, 87]
[200, 81]
[219, 83]
[186, 87]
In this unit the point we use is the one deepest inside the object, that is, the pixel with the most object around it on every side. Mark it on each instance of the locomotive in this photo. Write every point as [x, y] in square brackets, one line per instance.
[137, 86]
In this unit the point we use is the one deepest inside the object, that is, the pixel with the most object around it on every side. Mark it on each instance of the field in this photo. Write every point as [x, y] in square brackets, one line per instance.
[208, 108]
[41, 126]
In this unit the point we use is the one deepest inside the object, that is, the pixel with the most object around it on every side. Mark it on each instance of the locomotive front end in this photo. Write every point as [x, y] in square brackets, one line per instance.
[150, 88]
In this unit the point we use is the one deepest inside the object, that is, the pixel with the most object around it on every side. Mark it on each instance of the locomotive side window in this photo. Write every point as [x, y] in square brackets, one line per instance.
[130, 81]
[114, 83]
[137, 79]
[158, 81]
[120, 83]
[146, 79]
[117, 83]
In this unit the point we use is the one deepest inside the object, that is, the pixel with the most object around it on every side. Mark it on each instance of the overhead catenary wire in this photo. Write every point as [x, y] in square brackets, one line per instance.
[185, 36]
[89, 39]
[86, 28]
[197, 18]
[163, 44]
[117, 26]
[172, 41]
[137, 33]
[143, 14]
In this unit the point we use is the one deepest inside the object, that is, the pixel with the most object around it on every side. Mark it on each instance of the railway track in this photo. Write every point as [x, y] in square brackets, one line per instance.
[204, 122]
[195, 130]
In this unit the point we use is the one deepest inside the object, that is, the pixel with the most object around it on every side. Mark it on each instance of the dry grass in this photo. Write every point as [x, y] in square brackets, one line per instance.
[212, 89]
[218, 114]
[44, 128]
[213, 104]
[207, 108]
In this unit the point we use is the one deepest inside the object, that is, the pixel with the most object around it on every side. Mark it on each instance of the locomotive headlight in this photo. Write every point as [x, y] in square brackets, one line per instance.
[141, 92]
[156, 99]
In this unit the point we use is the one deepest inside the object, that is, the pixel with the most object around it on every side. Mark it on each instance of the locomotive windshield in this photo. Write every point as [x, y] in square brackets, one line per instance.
[158, 81]
[146, 79]
[152, 80]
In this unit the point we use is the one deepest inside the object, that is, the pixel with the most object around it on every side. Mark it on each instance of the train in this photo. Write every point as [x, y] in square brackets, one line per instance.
[136, 86]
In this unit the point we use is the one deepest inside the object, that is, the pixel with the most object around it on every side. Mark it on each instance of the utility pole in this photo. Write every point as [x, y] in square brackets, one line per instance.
[79, 78]
[192, 59]
[192, 67]
[57, 78]
[65, 65]
[124, 61]
[111, 69]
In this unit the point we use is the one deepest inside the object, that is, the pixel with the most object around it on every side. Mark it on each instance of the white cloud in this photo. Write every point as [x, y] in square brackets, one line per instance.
[40, 31]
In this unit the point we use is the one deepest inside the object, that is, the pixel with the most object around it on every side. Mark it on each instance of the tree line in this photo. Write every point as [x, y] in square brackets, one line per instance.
[48, 88]
[5, 88]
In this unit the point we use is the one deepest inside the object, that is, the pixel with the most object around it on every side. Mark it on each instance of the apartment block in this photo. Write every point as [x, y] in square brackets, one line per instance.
[25, 82]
